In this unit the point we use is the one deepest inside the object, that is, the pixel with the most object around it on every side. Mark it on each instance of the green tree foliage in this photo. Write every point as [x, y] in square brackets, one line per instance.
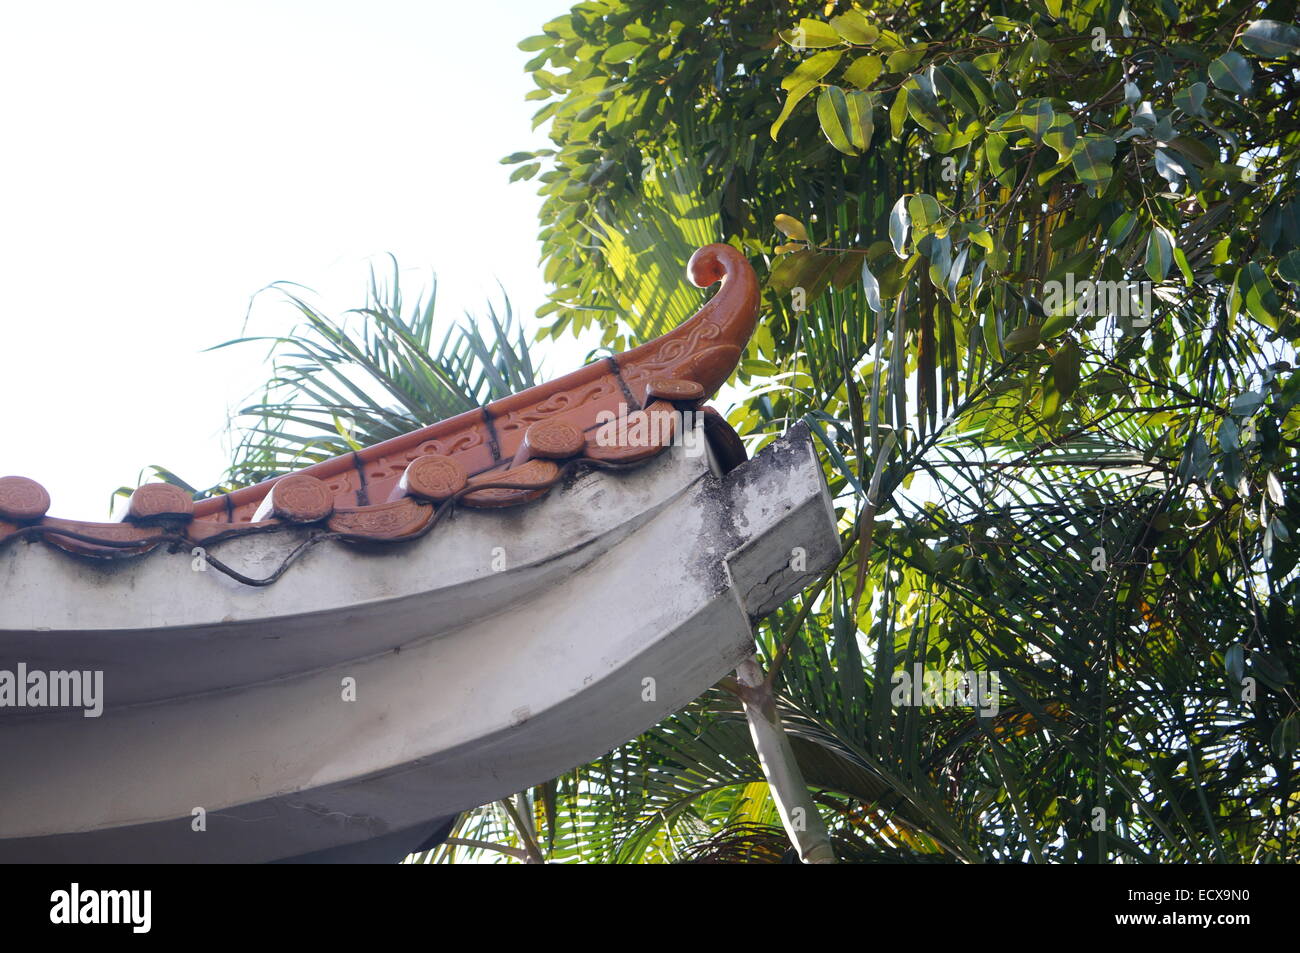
[952, 206]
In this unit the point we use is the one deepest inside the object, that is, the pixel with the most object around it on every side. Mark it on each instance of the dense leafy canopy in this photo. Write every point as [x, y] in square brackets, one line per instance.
[1035, 265]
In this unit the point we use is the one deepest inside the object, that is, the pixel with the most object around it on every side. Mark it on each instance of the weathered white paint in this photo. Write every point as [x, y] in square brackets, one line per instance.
[471, 683]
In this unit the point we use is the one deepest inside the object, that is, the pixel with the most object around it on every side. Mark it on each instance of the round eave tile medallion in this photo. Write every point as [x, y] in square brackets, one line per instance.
[155, 501]
[433, 477]
[299, 498]
[22, 500]
[554, 439]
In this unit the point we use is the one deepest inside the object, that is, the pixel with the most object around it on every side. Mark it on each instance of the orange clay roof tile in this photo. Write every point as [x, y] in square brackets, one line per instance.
[617, 411]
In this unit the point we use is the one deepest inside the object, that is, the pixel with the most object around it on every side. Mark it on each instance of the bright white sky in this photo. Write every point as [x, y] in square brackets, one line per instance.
[163, 161]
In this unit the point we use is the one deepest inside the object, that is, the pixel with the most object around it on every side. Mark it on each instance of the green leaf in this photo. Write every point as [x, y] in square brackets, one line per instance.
[1008, 25]
[871, 287]
[1192, 99]
[950, 84]
[846, 118]
[925, 210]
[864, 71]
[807, 269]
[1065, 368]
[939, 252]
[996, 153]
[811, 35]
[1274, 486]
[1245, 405]
[833, 114]
[923, 109]
[622, 52]
[900, 224]
[1160, 253]
[534, 43]
[1234, 663]
[980, 236]
[1286, 736]
[1057, 324]
[1231, 73]
[1036, 117]
[1271, 39]
[1120, 229]
[1093, 158]
[1229, 435]
[1255, 293]
[977, 82]
[1288, 269]
[903, 61]
[1200, 154]
[1195, 462]
[1023, 339]
[861, 122]
[525, 171]
[853, 26]
[898, 113]
[989, 331]
[1061, 136]
[1269, 668]
[805, 78]
[956, 271]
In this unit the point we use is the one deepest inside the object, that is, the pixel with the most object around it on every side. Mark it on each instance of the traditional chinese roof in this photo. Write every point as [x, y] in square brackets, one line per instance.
[508, 453]
[619, 598]
[507, 645]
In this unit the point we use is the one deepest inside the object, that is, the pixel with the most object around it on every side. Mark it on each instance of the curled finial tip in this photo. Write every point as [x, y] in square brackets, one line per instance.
[714, 262]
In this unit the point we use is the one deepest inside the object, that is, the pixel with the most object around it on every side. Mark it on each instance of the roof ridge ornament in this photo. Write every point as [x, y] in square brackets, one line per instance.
[510, 452]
